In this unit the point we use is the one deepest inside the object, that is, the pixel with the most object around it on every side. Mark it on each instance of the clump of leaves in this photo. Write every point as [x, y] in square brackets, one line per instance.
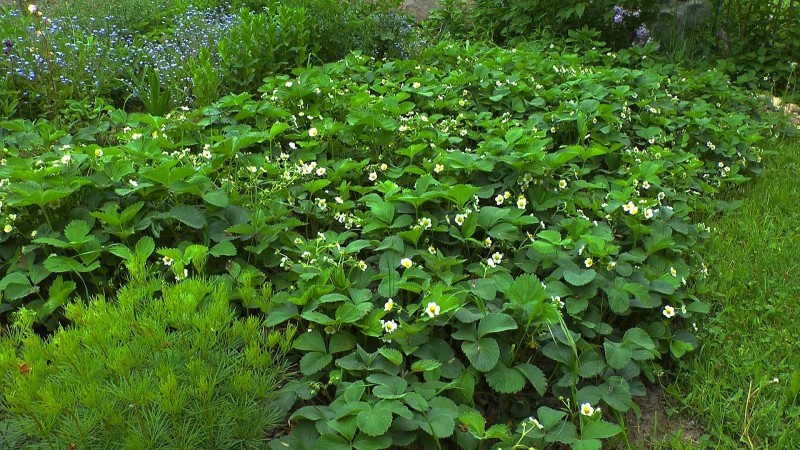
[162, 366]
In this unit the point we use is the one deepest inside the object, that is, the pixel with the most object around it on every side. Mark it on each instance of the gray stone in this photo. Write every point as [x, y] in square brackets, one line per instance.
[684, 15]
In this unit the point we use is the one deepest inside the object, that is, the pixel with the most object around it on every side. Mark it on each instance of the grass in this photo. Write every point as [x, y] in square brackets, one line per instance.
[743, 384]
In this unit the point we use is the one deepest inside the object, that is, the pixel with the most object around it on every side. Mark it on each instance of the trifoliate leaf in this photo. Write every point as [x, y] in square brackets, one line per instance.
[375, 421]
[505, 380]
[483, 355]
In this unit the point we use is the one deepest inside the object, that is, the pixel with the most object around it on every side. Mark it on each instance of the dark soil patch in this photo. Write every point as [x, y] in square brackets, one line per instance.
[655, 425]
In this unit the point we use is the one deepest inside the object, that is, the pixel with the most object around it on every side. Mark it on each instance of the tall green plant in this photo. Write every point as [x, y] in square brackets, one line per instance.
[149, 89]
[206, 79]
[264, 43]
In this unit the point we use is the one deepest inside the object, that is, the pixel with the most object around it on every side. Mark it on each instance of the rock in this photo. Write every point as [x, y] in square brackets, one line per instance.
[683, 16]
[419, 8]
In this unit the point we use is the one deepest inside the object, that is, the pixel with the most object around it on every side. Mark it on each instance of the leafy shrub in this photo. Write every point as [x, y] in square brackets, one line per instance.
[375, 27]
[263, 43]
[205, 78]
[162, 366]
[528, 211]
[756, 42]
[508, 21]
[762, 42]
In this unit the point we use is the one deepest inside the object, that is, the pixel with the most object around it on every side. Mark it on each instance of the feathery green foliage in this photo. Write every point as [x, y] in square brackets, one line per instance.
[162, 366]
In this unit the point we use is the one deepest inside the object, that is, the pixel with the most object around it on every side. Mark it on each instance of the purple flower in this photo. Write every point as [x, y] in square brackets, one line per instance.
[642, 34]
[618, 18]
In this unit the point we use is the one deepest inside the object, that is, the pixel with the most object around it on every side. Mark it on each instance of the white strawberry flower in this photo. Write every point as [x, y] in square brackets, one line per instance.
[432, 310]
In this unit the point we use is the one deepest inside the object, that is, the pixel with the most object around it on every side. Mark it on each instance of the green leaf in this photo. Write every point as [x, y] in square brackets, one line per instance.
[350, 313]
[216, 197]
[617, 355]
[76, 231]
[513, 135]
[534, 375]
[224, 248]
[308, 412]
[504, 231]
[618, 300]
[313, 186]
[489, 216]
[579, 9]
[333, 442]
[276, 129]
[354, 392]
[60, 264]
[559, 352]
[600, 430]
[590, 364]
[550, 418]
[51, 241]
[483, 355]
[588, 444]
[526, 290]
[659, 239]
[485, 289]
[310, 342]
[551, 236]
[145, 247]
[640, 338]
[364, 442]
[617, 393]
[460, 194]
[680, 348]
[505, 380]
[120, 251]
[416, 401]
[496, 323]
[498, 431]
[375, 421]
[381, 209]
[59, 294]
[388, 386]
[440, 422]
[424, 365]
[474, 422]
[343, 341]
[190, 215]
[313, 362]
[579, 277]
[394, 356]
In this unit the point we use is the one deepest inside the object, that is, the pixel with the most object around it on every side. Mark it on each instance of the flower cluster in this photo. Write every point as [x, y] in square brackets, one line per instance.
[642, 35]
[621, 13]
[91, 56]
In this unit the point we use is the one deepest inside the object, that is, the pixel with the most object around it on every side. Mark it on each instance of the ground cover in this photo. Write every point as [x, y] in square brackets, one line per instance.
[481, 247]
[477, 238]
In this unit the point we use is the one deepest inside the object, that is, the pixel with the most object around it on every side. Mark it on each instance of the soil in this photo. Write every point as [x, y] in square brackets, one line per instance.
[655, 425]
